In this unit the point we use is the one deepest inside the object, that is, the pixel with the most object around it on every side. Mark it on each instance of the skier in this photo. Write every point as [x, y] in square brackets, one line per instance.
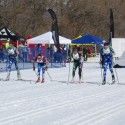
[12, 54]
[106, 55]
[77, 62]
[41, 65]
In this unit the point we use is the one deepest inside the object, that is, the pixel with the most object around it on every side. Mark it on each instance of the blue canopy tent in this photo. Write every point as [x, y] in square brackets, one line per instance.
[88, 39]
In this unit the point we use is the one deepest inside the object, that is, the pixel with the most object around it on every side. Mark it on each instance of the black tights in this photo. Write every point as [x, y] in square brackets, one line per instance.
[75, 65]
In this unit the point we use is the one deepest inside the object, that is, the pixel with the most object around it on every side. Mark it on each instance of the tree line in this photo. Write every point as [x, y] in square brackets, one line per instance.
[75, 17]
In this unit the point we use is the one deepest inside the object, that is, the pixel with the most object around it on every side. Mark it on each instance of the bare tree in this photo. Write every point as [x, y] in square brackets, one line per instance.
[74, 17]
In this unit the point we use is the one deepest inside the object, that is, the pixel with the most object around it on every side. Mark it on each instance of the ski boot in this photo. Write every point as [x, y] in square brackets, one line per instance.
[38, 80]
[104, 82]
[8, 77]
[43, 80]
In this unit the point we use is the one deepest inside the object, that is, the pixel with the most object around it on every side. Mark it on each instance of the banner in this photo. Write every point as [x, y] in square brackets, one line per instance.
[111, 25]
[54, 29]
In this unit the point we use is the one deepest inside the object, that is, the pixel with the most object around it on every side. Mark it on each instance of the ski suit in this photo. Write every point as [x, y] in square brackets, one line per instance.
[77, 62]
[107, 61]
[12, 58]
[41, 65]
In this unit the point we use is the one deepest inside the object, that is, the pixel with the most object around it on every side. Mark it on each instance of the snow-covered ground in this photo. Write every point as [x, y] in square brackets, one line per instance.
[58, 102]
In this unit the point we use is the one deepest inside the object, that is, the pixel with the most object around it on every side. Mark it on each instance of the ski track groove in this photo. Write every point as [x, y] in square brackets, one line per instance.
[40, 97]
[94, 116]
[46, 96]
[23, 90]
[24, 87]
[10, 104]
[53, 107]
[107, 113]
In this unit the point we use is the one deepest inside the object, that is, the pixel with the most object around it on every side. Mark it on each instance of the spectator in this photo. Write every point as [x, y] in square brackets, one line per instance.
[1, 54]
[85, 53]
[25, 53]
[38, 49]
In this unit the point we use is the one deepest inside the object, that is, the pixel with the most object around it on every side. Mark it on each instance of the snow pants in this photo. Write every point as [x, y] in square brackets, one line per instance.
[75, 66]
[107, 63]
[11, 61]
[41, 68]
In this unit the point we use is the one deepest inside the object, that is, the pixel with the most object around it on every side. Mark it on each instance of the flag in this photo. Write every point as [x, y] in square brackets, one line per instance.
[111, 25]
[54, 29]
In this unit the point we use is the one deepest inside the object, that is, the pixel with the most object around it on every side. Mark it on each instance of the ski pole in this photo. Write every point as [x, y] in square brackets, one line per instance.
[101, 72]
[35, 73]
[68, 73]
[116, 74]
[0, 72]
[82, 73]
[49, 76]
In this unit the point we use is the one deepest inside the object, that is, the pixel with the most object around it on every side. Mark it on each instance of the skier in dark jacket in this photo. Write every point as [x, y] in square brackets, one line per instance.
[77, 63]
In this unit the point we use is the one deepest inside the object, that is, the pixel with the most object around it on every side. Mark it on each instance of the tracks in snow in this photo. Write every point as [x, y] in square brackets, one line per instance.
[94, 116]
[64, 104]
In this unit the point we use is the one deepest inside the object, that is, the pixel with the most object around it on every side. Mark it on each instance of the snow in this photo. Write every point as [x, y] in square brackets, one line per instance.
[58, 102]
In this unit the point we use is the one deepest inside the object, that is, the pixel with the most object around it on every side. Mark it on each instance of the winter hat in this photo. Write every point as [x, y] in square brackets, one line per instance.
[104, 41]
[106, 44]
[7, 45]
